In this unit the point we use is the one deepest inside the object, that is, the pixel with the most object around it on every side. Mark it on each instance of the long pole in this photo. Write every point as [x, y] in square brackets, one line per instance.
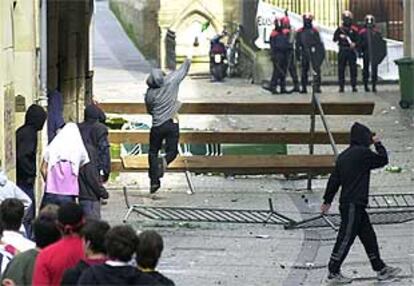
[43, 54]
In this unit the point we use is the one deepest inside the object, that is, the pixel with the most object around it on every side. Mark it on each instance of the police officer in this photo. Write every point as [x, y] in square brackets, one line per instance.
[371, 37]
[309, 50]
[347, 38]
[287, 29]
[279, 44]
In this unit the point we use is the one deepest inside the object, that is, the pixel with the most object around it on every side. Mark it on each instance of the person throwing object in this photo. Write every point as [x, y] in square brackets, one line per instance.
[162, 104]
[352, 173]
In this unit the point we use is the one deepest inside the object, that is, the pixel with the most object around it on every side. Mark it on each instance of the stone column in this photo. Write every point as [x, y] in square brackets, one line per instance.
[409, 28]
[7, 125]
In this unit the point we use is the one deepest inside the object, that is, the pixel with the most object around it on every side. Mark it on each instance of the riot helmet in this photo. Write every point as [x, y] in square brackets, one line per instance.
[347, 18]
[369, 21]
[278, 24]
[307, 20]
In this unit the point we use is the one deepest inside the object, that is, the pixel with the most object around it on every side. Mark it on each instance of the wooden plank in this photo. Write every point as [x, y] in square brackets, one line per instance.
[246, 108]
[236, 164]
[233, 136]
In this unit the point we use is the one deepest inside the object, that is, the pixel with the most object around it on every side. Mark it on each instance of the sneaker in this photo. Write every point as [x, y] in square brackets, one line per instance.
[388, 272]
[162, 166]
[154, 187]
[341, 89]
[338, 279]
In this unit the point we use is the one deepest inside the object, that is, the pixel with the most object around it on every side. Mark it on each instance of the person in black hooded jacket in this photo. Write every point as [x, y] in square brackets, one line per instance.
[95, 133]
[26, 148]
[352, 173]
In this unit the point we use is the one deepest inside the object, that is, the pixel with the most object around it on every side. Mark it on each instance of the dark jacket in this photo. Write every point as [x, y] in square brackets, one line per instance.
[306, 38]
[26, 145]
[95, 133]
[161, 278]
[122, 275]
[90, 184]
[353, 168]
[364, 39]
[279, 41]
[351, 34]
[72, 275]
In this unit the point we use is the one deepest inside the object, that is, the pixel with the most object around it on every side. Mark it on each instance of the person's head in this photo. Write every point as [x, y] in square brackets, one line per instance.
[50, 210]
[286, 22]
[278, 24]
[149, 249]
[94, 113]
[155, 78]
[369, 21]
[307, 20]
[120, 243]
[11, 214]
[347, 18]
[45, 230]
[93, 234]
[361, 135]
[70, 218]
[35, 116]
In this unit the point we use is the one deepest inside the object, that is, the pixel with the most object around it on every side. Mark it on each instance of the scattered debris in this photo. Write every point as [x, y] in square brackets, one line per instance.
[282, 266]
[262, 236]
[393, 169]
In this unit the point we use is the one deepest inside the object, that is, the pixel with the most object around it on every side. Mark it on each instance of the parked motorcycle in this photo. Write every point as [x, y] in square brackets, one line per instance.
[218, 58]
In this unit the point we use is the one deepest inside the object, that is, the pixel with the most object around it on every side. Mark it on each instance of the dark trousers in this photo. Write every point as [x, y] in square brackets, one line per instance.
[355, 222]
[56, 199]
[279, 71]
[91, 209]
[170, 132]
[30, 213]
[305, 66]
[365, 72]
[292, 69]
[347, 57]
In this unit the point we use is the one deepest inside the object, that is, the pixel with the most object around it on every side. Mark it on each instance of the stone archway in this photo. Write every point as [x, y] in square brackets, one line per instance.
[186, 29]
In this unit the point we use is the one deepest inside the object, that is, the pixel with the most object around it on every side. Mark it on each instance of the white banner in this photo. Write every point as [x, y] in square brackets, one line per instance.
[267, 13]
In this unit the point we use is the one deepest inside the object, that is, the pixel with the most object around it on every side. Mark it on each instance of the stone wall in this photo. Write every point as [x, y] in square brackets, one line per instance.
[139, 19]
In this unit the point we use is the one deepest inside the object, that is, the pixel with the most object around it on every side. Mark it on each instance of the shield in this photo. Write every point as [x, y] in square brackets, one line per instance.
[377, 47]
[313, 47]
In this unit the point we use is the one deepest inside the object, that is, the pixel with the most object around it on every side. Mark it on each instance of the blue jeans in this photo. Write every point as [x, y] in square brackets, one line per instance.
[55, 199]
[91, 209]
[30, 212]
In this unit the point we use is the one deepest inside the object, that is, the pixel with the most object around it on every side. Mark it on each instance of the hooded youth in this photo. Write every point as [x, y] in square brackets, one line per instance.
[353, 168]
[162, 93]
[26, 145]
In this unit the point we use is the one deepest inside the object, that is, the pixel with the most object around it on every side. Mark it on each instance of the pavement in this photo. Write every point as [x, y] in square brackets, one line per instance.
[235, 254]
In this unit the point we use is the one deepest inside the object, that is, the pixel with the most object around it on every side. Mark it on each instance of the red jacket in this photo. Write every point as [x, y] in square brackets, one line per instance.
[55, 259]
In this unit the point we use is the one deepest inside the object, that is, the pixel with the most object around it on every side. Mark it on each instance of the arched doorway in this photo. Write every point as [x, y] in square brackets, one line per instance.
[186, 31]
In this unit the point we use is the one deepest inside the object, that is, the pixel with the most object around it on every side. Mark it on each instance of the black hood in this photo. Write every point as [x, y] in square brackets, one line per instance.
[93, 112]
[35, 116]
[361, 135]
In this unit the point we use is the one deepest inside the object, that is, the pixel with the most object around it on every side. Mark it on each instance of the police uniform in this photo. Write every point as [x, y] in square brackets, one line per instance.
[347, 35]
[279, 44]
[291, 53]
[308, 43]
[372, 48]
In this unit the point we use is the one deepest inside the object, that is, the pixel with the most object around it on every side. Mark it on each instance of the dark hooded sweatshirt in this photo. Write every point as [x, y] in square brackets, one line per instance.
[122, 275]
[95, 133]
[90, 184]
[353, 168]
[26, 145]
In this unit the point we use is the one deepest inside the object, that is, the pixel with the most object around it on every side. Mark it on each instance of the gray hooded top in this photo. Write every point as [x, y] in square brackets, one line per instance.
[161, 98]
